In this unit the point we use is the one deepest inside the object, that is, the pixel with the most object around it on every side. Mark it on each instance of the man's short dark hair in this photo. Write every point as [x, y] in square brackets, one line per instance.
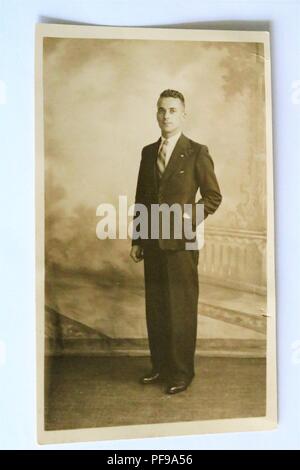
[172, 94]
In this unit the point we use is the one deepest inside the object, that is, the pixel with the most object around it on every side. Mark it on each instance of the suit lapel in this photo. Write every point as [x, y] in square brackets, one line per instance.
[180, 153]
[154, 168]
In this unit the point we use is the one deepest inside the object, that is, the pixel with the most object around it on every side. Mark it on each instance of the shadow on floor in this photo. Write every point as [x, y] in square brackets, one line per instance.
[90, 392]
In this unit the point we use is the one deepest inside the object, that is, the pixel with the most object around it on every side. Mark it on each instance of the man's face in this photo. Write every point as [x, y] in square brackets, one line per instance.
[170, 115]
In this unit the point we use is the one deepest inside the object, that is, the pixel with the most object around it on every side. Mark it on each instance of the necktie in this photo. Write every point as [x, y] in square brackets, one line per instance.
[161, 159]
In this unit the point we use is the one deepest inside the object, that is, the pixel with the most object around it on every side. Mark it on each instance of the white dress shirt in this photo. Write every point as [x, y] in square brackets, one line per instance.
[172, 141]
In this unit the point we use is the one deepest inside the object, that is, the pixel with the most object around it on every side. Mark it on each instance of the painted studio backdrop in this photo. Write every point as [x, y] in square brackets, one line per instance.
[100, 110]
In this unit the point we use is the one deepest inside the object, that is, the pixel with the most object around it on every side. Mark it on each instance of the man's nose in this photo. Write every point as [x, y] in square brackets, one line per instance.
[167, 114]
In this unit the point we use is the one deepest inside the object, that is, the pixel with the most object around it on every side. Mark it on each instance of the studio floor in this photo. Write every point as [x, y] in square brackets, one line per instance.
[88, 392]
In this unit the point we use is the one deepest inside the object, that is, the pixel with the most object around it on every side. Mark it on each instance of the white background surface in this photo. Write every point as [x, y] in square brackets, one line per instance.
[17, 309]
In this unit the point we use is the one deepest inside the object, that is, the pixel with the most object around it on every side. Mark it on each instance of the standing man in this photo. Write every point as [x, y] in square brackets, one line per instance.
[171, 171]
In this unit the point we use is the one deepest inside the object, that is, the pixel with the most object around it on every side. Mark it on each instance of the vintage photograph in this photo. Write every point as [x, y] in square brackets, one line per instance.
[155, 235]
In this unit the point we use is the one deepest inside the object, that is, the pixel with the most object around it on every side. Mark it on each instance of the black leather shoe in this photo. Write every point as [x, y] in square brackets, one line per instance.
[176, 388]
[150, 378]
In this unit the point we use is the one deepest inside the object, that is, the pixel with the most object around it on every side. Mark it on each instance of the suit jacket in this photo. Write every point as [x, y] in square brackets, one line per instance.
[190, 168]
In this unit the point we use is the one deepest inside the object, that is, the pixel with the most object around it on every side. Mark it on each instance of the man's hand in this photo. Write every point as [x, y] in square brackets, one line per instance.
[136, 253]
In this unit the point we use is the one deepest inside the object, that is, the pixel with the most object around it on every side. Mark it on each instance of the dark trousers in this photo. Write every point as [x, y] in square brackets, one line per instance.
[171, 284]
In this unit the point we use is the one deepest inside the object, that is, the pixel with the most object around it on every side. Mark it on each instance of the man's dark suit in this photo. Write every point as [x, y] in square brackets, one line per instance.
[171, 277]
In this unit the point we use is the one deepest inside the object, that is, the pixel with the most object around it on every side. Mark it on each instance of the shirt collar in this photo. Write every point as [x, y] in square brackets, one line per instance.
[172, 139]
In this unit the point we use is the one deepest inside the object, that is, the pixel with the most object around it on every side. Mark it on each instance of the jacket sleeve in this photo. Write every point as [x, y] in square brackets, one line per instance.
[207, 181]
[139, 198]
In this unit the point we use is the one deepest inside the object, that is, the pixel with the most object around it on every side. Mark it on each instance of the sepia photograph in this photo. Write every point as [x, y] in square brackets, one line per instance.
[155, 270]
